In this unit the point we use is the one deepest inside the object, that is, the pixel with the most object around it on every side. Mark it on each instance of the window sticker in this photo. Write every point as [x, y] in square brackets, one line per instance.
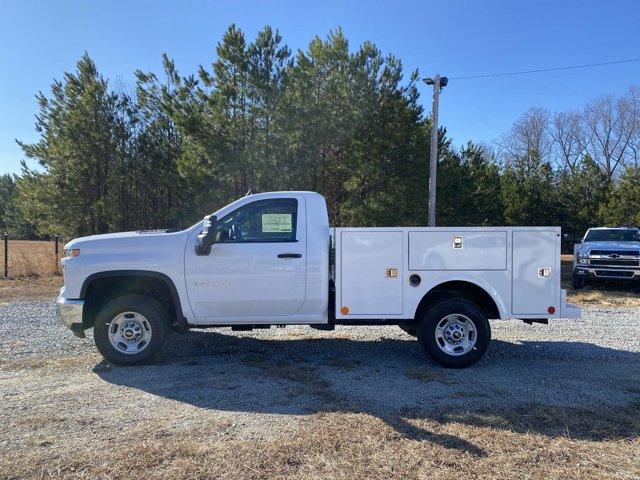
[276, 222]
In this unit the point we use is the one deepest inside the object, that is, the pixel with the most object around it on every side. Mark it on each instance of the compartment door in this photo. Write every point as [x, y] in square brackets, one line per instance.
[372, 272]
[479, 250]
[536, 275]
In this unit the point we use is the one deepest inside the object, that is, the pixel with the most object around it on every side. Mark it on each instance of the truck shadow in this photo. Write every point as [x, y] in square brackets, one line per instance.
[573, 389]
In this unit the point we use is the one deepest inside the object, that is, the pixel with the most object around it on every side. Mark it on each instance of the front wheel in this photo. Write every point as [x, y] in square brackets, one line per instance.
[577, 282]
[131, 329]
[455, 333]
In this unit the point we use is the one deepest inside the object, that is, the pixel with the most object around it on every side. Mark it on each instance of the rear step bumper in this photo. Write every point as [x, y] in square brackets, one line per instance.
[566, 309]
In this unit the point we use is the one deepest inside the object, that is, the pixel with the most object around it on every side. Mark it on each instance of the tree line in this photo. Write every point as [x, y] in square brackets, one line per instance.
[344, 122]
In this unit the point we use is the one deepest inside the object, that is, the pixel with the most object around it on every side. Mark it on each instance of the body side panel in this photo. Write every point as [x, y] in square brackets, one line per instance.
[496, 281]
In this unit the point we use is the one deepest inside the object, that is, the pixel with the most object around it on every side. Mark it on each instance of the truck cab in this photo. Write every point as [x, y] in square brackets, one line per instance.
[272, 259]
[268, 263]
[607, 253]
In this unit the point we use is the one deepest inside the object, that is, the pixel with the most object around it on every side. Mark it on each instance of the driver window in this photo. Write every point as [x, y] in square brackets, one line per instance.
[272, 220]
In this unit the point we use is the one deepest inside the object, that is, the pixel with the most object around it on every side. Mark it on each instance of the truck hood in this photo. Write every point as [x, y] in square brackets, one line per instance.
[123, 239]
[626, 246]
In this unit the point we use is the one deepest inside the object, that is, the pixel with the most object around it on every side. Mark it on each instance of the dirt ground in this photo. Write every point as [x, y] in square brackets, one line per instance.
[25, 288]
[548, 402]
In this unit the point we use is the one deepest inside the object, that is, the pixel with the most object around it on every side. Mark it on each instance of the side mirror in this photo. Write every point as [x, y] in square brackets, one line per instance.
[207, 237]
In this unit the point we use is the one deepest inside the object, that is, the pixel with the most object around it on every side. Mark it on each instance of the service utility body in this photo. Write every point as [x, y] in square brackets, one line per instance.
[272, 259]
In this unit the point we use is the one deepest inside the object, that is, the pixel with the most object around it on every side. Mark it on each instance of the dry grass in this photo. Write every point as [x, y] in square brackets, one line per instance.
[33, 272]
[533, 443]
[604, 298]
[30, 258]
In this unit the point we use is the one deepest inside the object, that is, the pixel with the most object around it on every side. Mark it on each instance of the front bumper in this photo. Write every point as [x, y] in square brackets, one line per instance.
[70, 314]
[608, 273]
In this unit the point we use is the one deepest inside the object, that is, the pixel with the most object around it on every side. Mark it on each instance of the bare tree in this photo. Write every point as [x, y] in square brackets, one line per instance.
[565, 131]
[528, 140]
[609, 125]
[607, 130]
[634, 144]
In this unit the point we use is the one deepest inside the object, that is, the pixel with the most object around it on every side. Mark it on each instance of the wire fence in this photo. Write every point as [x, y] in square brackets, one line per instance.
[30, 258]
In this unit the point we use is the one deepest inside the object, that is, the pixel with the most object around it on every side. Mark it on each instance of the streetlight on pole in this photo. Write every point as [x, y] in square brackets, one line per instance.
[438, 83]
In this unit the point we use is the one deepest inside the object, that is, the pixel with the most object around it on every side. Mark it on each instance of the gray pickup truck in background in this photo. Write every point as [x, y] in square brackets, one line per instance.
[607, 253]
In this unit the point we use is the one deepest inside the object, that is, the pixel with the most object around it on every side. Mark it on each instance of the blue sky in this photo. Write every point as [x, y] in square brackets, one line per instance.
[40, 40]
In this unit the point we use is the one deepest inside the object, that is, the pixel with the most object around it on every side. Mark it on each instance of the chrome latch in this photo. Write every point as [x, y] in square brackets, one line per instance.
[457, 241]
[544, 272]
[392, 272]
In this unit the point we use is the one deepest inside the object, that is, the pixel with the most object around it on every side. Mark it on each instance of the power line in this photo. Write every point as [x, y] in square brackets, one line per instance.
[543, 70]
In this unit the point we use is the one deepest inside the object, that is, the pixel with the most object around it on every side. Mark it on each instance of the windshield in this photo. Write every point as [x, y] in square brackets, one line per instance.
[612, 235]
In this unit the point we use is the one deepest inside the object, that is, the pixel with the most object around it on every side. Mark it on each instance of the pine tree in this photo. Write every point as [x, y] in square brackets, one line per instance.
[469, 191]
[581, 194]
[80, 143]
[623, 207]
[529, 193]
[339, 120]
[7, 187]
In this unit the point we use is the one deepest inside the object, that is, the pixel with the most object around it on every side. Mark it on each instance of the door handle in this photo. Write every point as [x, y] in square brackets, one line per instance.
[289, 255]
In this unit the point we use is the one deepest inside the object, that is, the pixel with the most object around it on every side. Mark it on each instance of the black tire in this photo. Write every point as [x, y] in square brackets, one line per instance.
[437, 313]
[577, 282]
[409, 328]
[151, 310]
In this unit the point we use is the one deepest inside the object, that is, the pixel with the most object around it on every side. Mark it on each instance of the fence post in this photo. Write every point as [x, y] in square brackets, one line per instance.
[55, 237]
[6, 254]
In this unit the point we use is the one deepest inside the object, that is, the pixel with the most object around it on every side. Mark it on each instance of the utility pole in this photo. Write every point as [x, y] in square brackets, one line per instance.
[6, 254]
[438, 83]
[56, 238]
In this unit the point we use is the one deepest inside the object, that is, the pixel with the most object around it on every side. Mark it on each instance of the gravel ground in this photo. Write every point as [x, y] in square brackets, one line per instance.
[258, 384]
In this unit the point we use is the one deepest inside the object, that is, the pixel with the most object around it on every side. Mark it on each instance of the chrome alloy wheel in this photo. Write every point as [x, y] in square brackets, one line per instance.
[456, 334]
[130, 333]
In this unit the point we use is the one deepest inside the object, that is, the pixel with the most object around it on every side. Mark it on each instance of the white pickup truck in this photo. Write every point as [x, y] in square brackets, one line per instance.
[272, 259]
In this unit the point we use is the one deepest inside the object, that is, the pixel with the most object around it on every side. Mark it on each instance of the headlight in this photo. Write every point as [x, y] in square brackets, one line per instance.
[582, 257]
[71, 252]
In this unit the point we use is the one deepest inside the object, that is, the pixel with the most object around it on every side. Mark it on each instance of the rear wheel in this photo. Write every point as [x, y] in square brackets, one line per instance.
[131, 329]
[455, 333]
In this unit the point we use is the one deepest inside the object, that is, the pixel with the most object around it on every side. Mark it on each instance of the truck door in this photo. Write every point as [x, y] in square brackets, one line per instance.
[256, 268]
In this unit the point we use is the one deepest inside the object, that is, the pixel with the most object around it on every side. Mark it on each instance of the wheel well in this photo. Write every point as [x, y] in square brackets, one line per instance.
[467, 290]
[100, 289]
